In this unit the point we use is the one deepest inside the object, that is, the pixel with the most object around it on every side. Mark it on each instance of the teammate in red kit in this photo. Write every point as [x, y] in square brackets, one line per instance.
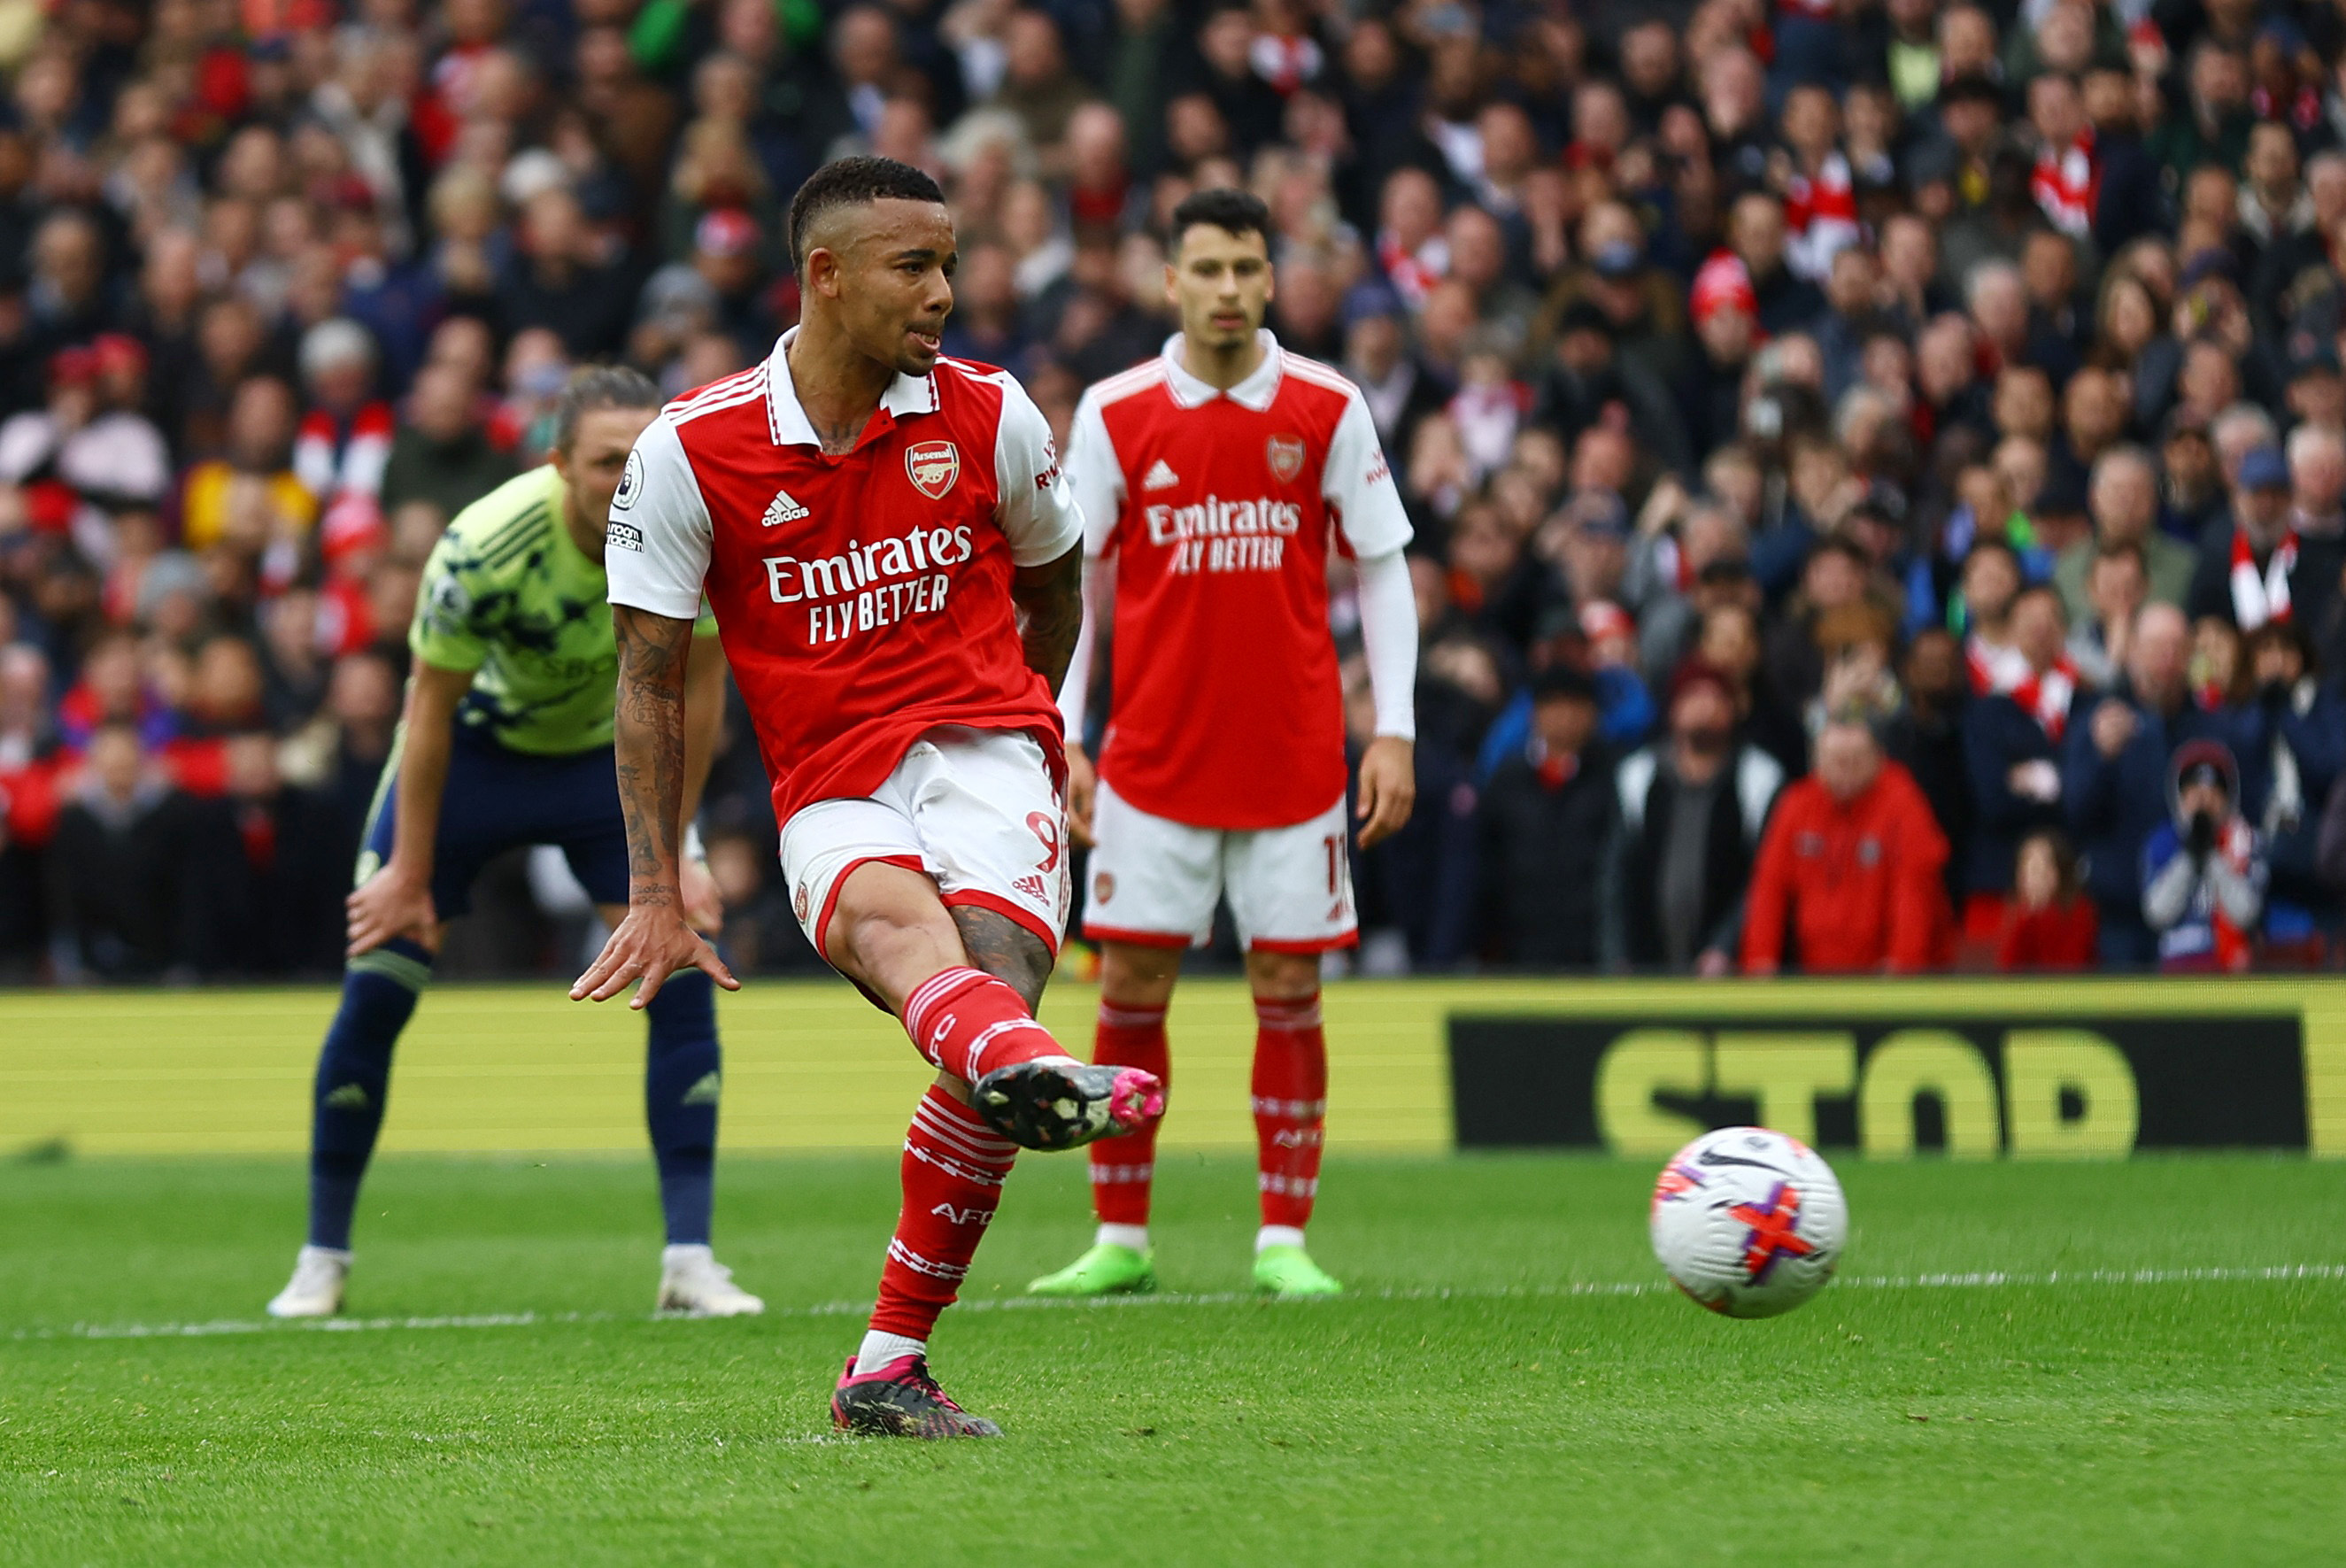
[1216, 479]
[895, 563]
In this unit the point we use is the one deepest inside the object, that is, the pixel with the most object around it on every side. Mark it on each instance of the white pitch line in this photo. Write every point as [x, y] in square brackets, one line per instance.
[1984, 1281]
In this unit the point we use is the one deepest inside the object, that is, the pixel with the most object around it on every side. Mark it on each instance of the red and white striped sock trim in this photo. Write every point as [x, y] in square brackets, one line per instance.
[1113, 1015]
[928, 1266]
[1287, 1186]
[937, 1020]
[963, 1148]
[1291, 1110]
[975, 1057]
[940, 987]
[1291, 1013]
[1109, 1175]
[956, 1125]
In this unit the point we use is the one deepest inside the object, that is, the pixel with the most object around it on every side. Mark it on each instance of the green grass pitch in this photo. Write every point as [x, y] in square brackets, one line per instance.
[2065, 1416]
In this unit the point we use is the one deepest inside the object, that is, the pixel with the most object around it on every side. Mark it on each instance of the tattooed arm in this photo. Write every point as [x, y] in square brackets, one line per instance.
[704, 733]
[1050, 600]
[654, 942]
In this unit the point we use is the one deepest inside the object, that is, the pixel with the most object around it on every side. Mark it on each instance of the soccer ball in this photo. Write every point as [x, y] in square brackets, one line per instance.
[1749, 1222]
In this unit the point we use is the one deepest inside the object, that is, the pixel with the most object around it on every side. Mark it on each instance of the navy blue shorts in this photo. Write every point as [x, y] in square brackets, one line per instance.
[497, 800]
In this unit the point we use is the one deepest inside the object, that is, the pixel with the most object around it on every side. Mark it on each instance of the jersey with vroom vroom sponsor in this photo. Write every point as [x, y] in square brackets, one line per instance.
[1219, 509]
[865, 598]
[507, 594]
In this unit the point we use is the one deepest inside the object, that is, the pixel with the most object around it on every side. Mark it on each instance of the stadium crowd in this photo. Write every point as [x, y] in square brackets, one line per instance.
[1877, 464]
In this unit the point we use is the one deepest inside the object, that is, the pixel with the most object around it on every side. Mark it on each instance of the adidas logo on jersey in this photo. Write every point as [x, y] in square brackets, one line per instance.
[1160, 476]
[782, 509]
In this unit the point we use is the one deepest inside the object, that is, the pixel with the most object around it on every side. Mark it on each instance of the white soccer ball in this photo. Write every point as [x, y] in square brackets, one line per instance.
[1749, 1222]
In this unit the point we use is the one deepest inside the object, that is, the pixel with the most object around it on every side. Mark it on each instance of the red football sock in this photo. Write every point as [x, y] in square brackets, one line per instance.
[969, 1024]
[1121, 1168]
[952, 1171]
[1291, 1105]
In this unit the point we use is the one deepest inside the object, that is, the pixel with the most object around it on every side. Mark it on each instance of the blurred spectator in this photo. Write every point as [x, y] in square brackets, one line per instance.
[1925, 737]
[441, 454]
[2290, 743]
[2052, 925]
[2117, 587]
[1377, 356]
[2123, 498]
[558, 277]
[267, 872]
[2203, 871]
[125, 900]
[251, 495]
[2254, 567]
[2012, 742]
[1848, 878]
[1692, 806]
[344, 438]
[2114, 775]
[1546, 813]
[108, 455]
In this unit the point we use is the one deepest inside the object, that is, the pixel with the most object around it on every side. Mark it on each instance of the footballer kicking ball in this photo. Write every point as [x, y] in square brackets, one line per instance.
[1748, 1222]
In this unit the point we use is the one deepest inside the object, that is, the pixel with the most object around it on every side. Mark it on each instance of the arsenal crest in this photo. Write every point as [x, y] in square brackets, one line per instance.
[1286, 454]
[933, 465]
[1103, 887]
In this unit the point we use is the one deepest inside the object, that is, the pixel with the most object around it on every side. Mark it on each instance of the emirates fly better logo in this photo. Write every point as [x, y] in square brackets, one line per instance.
[933, 466]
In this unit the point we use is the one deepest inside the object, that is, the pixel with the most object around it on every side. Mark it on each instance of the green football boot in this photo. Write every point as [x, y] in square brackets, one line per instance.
[1289, 1271]
[1107, 1270]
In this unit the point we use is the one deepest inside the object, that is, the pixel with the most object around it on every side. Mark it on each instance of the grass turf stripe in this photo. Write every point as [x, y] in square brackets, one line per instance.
[1979, 1280]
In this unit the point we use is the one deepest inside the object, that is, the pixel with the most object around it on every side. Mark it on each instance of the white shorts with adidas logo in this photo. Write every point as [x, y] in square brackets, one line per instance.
[1155, 882]
[976, 810]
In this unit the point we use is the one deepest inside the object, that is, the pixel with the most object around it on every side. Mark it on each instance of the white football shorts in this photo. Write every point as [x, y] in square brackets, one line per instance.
[1155, 882]
[977, 810]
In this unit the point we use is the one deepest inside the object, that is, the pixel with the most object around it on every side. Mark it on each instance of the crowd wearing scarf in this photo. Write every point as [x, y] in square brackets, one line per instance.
[2261, 596]
[2006, 672]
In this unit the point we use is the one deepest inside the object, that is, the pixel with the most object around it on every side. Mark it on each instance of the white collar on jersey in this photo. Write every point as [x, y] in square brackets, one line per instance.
[786, 419]
[1254, 392]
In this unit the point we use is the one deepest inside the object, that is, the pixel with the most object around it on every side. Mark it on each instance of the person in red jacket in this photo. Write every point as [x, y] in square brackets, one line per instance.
[1848, 872]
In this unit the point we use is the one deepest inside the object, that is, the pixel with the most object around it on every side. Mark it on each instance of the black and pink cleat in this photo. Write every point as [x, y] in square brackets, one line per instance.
[901, 1400]
[1064, 1105]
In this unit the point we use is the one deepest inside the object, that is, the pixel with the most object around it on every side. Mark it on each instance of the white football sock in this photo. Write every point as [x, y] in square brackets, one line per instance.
[878, 1350]
[1278, 1236]
[1134, 1237]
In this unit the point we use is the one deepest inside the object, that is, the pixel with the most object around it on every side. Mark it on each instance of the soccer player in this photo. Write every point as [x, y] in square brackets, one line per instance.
[507, 741]
[896, 565]
[1216, 478]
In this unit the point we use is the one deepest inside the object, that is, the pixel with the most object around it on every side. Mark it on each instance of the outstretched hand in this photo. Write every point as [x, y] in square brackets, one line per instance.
[652, 943]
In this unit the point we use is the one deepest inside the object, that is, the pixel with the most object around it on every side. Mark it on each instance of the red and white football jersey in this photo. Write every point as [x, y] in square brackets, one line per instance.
[1221, 509]
[865, 598]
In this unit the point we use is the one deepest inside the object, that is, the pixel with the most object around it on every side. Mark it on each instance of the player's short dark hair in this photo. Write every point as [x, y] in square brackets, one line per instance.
[599, 387]
[1232, 211]
[853, 182]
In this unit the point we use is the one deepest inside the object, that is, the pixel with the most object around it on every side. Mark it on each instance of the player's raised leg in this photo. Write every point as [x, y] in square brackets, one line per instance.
[964, 981]
[1136, 989]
